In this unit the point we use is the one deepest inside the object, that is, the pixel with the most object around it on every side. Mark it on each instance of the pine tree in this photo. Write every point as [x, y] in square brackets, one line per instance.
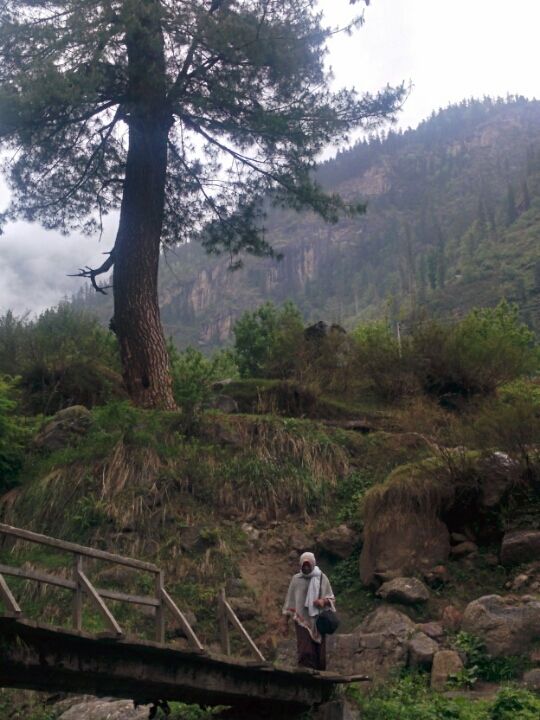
[511, 209]
[526, 198]
[184, 115]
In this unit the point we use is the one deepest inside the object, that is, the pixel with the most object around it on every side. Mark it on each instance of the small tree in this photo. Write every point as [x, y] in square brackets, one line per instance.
[267, 341]
[185, 116]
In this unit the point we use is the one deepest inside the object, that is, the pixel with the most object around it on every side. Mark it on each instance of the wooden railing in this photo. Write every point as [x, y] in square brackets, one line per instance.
[81, 587]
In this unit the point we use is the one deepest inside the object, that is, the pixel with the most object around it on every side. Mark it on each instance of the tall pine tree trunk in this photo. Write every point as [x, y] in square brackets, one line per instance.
[137, 324]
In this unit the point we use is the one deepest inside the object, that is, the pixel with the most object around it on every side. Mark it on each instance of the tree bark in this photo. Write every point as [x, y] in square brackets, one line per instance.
[136, 322]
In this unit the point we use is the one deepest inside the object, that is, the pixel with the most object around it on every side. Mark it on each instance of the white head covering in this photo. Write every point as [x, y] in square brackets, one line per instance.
[308, 557]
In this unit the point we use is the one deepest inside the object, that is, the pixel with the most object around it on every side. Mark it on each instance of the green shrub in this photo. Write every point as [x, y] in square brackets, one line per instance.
[487, 349]
[64, 357]
[193, 374]
[381, 362]
[267, 341]
[479, 665]
[14, 432]
[410, 699]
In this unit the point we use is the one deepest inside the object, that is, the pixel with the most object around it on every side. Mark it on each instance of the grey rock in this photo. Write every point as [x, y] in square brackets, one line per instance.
[376, 648]
[224, 403]
[445, 664]
[340, 709]
[520, 546]
[415, 543]
[387, 620]
[433, 630]
[463, 549]
[64, 428]
[339, 542]
[507, 626]
[531, 679]
[421, 651]
[408, 591]
[104, 709]
[497, 474]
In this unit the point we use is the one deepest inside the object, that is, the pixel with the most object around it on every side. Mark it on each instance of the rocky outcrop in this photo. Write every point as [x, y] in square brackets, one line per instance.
[102, 709]
[399, 546]
[338, 542]
[64, 428]
[446, 663]
[376, 648]
[520, 546]
[507, 625]
[421, 651]
[408, 591]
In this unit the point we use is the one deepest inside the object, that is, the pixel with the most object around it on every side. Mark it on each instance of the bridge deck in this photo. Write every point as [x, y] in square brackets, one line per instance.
[38, 657]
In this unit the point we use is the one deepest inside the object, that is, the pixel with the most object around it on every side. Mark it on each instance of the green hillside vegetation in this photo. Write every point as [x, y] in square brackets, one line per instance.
[452, 223]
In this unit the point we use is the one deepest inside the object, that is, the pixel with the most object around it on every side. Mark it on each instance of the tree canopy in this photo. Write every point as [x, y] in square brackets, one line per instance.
[191, 117]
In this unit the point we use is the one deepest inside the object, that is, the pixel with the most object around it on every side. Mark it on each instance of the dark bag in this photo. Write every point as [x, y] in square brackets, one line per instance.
[328, 622]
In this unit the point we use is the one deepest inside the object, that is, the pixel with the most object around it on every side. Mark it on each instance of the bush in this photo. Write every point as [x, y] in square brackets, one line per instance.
[267, 340]
[63, 357]
[487, 349]
[480, 666]
[410, 699]
[193, 374]
[13, 434]
[380, 361]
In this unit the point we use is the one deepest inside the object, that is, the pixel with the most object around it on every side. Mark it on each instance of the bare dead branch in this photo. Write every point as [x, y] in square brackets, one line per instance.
[92, 273]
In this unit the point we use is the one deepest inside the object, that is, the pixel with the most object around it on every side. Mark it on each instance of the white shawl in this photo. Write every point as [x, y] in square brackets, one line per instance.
[299, 604]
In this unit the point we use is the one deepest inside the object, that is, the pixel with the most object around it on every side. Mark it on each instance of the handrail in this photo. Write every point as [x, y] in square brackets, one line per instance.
[81, 586]
[77, 549]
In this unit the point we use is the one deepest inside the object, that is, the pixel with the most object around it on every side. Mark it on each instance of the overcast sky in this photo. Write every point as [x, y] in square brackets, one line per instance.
[446, 50]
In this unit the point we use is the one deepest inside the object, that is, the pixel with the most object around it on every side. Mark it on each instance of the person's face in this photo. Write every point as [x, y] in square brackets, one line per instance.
[306, 568]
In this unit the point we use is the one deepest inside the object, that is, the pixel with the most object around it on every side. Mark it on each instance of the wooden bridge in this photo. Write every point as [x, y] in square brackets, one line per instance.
[37, 656]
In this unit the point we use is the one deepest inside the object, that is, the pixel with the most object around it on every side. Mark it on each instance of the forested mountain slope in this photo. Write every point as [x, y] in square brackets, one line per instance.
[452, 222]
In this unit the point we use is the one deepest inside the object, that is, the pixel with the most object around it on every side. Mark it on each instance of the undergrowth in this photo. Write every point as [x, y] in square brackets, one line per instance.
[411, 699]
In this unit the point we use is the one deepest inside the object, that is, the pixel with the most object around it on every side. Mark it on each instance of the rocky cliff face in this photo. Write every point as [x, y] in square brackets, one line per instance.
[435, 234]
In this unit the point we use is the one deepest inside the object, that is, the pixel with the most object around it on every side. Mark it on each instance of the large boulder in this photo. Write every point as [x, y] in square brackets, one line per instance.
[96, 709]
[508, 626]
[339, 542]
[64, 429]
[520, 546]
[402, 544]
[421, 651]
[446, 663]
[408, 591]
[377, 648]
[497, 474]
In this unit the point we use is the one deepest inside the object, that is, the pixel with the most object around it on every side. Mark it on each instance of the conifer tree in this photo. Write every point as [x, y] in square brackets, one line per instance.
[182, 115]
[511, 209]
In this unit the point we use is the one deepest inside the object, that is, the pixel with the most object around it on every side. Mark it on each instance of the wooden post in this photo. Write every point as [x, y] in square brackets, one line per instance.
[78, 593]
[6, 595]
[160, 609]
[223, 623]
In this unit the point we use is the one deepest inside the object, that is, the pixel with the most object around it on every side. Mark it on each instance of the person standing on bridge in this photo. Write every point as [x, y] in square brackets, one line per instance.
[309, 592]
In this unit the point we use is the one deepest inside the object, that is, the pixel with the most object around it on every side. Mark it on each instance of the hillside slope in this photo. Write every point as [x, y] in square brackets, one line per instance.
[453, 221]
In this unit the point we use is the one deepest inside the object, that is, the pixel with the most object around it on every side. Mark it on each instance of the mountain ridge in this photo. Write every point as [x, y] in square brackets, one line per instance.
[452, 221]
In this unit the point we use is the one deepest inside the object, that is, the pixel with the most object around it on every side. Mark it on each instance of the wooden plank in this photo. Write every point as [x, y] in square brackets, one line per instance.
[74, 548]
[38, 577]
[224, 637]
[98, 602]
[242, 630]
[160, 609]
[186, 627]
[7, 596]
[78, 596]
[71, 585]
